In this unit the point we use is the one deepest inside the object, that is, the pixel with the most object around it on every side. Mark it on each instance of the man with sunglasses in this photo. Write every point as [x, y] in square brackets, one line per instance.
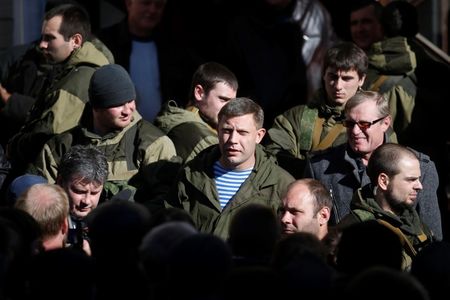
[318, 124]
[343, 169]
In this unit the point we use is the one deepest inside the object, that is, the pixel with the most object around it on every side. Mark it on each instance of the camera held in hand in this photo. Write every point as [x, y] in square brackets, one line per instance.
[76, 235]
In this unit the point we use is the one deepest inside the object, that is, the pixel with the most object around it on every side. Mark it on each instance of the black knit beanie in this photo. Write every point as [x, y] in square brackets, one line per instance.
[111, 86]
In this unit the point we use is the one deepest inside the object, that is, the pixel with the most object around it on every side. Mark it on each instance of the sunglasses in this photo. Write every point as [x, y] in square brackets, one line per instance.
[363, 125]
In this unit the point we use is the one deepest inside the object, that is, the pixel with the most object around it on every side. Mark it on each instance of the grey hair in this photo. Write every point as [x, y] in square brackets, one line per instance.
[83, 161]
[363, 96]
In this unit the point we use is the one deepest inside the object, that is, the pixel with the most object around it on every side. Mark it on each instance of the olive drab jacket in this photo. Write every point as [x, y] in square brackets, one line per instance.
[188, 131]
[342, 172]
[413, 233]
[195, 190]
[59, 107]
[391, 72]
[25, 79]
[306, 128]
[134, 154]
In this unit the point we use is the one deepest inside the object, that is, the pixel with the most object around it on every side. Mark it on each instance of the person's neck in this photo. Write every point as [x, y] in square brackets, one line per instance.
[54, 242]
[99, 129]
[241, 167]
[383, 202]
[365, 158]
[139, 33]
[323, 231]
[207, 121]
[358, 156]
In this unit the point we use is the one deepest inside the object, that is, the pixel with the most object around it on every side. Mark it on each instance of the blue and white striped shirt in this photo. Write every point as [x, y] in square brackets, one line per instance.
[228, 182]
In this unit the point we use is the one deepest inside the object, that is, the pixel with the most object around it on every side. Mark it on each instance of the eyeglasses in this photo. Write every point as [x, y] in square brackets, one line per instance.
[363, 125]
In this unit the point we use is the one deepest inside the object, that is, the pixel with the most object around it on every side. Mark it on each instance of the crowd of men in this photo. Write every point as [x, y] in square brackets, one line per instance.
[262, 168]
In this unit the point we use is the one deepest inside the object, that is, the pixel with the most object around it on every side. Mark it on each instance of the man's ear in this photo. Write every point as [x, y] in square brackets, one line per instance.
[260, 134]
[361, 81]
[65, 227]
[199, 93]
[324, 215]
[77, 40]
[383, 181]
[388, 120]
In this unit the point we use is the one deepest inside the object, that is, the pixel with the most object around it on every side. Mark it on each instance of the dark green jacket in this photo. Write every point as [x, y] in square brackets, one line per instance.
[413, 233]
[292, 131]
[195, 190]
[134, 154]
[391, 72]
[291, 137]
[25, 80]
[59, 107]
[187, 130]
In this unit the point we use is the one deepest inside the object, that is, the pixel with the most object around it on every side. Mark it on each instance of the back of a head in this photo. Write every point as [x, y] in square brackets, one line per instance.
[198, 258]
[48, 204]
[19, 241]
[27, 228]
[158, 244]
[374, 282]
[367, 244]
[170, 214]
[253, 282]
[53, 274]
[431, 267]
[310, 274]
[202, 251]
[254, 231]
[400, 18]
[300, 260]
[117, 228]
[294, 245]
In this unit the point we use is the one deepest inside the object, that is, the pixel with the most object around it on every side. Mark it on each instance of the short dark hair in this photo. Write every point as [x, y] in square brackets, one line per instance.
[209, 74]
[318, 191]
[243, 106]
[384, 160]
[347, 56]
[86, 162]
[75, 19]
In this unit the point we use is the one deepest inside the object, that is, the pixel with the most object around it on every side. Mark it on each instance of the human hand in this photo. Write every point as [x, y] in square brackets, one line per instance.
[4, 94]
[87, 247]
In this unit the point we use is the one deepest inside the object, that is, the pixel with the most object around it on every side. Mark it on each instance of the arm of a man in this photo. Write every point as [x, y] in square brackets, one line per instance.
[427, 202]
